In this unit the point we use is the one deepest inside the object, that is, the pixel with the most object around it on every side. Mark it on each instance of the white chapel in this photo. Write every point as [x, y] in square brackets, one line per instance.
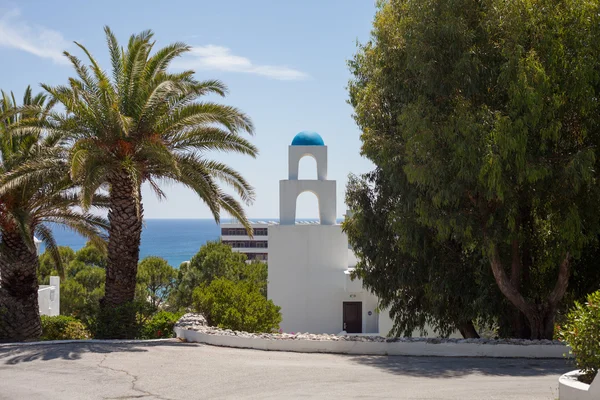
[310, 264]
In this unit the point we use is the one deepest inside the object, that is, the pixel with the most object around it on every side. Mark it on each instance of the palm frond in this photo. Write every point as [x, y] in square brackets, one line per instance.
[115, 58]
[90, 226]
[211, 138]
[234, 208]
[160, 60]
[45, 235]
[201, 114]
[219, 171]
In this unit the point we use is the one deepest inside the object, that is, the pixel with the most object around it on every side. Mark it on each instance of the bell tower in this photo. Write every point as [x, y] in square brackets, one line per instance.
[309, 275]
[307, 144]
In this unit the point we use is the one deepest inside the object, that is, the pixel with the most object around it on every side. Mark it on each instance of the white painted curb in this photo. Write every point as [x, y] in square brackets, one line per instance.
[377, 348]
[569, 388]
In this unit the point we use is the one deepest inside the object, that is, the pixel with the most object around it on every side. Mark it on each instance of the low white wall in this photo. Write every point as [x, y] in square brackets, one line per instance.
[377, 348]
[569, 388]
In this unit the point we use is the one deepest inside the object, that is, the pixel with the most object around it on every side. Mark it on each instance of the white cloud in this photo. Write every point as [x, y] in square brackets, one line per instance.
[220, 58]
[42, 42]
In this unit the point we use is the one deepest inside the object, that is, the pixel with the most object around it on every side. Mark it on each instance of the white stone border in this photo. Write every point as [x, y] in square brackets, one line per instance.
[399, 348]
[569, 388]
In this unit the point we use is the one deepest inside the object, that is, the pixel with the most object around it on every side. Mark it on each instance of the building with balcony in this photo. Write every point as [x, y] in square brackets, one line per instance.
[256, 247]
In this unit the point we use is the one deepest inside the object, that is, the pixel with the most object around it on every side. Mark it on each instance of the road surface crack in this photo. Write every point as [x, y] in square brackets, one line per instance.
[134, 380]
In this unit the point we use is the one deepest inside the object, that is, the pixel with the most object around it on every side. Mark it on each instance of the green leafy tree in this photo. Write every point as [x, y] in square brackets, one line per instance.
[81, 292]
[26, 205]
[83, 283]
[144, 124]
[418, 280]
[215, 260]
[488, 110]
[187, 279]
[48, 265]
[91, 254]
[236, 305]
[156, 279]
[585, 278]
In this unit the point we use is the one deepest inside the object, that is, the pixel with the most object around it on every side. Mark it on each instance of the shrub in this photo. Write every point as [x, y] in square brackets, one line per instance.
[62, 327]
[122, 322]
[236, 305]
[214, 260]
[160, 325]
[582, 333]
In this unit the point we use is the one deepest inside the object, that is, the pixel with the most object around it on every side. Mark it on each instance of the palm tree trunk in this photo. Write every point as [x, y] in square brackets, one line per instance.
[19, 309]
[125, 218]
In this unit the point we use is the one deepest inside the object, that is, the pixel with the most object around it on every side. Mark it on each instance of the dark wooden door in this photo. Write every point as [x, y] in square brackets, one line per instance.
[353, 316]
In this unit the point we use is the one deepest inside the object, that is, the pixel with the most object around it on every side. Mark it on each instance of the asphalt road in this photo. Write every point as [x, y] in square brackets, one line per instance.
[173, 370]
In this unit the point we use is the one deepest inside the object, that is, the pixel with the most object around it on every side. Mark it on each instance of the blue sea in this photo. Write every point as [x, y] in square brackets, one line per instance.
[175, 240]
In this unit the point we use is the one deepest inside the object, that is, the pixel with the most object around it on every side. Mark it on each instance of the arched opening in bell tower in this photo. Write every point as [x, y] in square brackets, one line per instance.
[307, 207]
[307, 167]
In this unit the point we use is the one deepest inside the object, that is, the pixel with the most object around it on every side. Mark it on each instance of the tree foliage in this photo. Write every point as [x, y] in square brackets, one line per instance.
[141, 123]
[27, 206]
[48, 265]
[215, 260]
[582, 334]
[83, 286]
[93, 255]
[156, 279]
[482, 117]
[236, 305]
[418, 279]
[81, 292]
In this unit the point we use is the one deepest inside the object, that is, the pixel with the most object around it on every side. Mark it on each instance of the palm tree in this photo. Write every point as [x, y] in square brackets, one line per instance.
[26, 205]
[146, 124]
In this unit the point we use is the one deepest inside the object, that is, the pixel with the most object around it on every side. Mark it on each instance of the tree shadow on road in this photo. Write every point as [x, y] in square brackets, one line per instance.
[452, 367]
[11, 355]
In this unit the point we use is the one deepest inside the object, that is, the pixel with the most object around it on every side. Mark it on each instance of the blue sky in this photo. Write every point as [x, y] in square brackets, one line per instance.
[283, 61]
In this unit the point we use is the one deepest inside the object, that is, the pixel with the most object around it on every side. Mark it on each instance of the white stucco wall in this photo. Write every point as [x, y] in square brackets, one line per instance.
[386, 324]
[289, 190]
[49, 297]
[38, 244]
[307, 279]
[296, 153]
[352, 260]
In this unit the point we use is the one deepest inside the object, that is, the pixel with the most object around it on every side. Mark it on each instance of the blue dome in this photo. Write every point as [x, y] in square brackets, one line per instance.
[308, 138]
